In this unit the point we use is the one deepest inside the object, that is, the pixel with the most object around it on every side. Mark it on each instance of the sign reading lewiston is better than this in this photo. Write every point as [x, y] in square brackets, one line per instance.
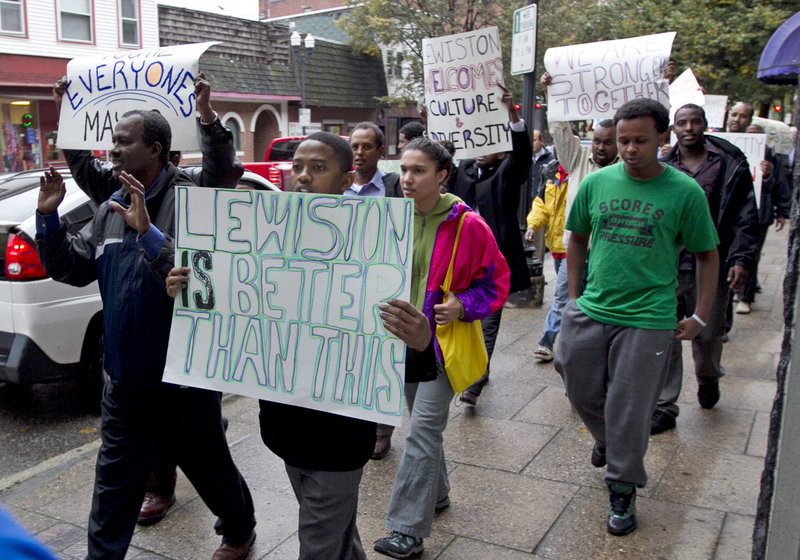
[100, 89]
[593, 80]
[464, 102]
[282, 302]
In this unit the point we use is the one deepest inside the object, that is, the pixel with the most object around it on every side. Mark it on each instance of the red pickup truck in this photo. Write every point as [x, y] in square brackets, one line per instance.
[277, 165]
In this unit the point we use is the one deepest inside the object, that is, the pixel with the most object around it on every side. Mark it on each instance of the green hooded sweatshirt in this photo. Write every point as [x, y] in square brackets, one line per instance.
[425, 229]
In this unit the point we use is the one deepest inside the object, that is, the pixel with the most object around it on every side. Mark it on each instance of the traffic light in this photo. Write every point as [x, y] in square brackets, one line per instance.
[538, 106]
[777, 108]
[517, 106]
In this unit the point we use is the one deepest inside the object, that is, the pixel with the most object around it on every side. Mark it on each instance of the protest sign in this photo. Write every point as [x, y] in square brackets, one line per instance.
[282, 298]
[684, 89]
[715, 107]
[100, 89]
[463, 99]
[593, 80]
[779, 134]
[753, 146]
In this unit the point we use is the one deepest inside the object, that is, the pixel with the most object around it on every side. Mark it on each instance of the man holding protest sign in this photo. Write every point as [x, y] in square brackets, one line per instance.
[221, 168]
[616, 335]
[578, 161]
[723, 173]
[129, 255]
[491, 185]
[775, 202]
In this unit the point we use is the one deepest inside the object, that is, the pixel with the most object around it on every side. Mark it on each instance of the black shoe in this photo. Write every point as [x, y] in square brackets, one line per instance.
[661, 421]
[398, 545]
[708, 395]
[598, 455]
[621, 509]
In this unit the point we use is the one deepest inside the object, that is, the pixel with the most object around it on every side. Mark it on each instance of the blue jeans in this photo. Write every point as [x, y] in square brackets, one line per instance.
[552, 323]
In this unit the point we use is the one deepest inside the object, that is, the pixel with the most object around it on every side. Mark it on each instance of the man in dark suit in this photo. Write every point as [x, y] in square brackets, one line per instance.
[491, 184]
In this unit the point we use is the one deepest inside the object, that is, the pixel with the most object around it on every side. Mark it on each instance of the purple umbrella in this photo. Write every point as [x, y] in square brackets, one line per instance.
[780, 60]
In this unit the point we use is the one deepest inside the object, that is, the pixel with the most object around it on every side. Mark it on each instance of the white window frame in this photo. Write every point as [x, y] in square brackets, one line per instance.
[60, 11]
[22, 22]
[121, 19]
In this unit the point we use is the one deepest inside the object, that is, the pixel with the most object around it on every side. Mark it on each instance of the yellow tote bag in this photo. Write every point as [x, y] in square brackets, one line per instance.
[462, 345]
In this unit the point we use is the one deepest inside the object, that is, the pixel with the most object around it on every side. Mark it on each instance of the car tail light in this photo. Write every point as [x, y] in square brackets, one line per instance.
[274, 175]
[22, 262]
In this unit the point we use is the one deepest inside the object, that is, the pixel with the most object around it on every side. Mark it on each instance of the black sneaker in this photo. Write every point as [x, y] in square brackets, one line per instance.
[598, 455]
[621, 509]
[708, 395]
[661, 421]
[398, 545]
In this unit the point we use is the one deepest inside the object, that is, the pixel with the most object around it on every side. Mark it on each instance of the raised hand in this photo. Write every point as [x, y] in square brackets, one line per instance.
[136, 214]
[51, 191]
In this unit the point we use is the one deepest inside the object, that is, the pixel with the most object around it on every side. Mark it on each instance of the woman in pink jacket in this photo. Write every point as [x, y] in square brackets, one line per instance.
[480, 286]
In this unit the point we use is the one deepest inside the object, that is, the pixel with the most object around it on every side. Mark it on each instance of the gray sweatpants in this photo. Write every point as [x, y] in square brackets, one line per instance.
[613, 376]
[422, 476]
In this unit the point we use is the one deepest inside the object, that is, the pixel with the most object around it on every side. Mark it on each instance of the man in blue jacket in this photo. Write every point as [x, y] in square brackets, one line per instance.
[128, 248]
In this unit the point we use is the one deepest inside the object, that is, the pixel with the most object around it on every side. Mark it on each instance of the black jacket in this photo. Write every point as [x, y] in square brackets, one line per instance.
[737, 218]
[776, 194]
[496, 197]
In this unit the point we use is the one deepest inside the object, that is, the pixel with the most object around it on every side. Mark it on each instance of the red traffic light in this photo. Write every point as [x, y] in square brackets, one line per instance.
[778, 108]
[517, 106]
[538, 105]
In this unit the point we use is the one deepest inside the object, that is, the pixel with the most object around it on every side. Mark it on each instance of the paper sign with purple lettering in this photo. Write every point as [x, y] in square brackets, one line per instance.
[100, 89]
[593, 80]
[684, 89]
[753, 146]
[463, 99]
[283, 294]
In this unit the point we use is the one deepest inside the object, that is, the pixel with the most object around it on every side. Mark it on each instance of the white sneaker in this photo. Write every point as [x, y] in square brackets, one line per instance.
[743, 308]
[544, 354]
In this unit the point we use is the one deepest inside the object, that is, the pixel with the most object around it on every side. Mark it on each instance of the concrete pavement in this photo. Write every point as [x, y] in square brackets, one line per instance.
[522, 483]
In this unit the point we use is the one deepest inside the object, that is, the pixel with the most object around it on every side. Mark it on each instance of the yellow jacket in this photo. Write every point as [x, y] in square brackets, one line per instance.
[550, 212]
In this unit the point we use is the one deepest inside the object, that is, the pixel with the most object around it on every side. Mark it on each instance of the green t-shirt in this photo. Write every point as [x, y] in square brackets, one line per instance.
[637, 229]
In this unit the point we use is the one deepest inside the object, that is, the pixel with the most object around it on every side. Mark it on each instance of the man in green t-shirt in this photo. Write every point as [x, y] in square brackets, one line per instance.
[617, 336]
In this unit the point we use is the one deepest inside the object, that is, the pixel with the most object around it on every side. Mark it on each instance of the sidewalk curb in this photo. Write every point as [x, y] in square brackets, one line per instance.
[52, 463]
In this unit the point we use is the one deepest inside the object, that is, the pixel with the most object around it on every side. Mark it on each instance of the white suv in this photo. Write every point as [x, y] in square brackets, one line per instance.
[50, 331]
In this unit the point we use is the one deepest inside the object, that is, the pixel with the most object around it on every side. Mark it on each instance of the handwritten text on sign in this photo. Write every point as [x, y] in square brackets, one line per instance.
[753, 146]
[282, 299]
[593, 80]
[461, 94]
[101, 89]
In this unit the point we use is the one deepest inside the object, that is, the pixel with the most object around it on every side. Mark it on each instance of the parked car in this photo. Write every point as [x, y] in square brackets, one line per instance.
[50, 331]
[277, 164]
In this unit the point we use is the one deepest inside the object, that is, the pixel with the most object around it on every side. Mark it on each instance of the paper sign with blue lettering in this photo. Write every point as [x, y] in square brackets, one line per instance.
[593, 80]
[462, 97]
[282, 302]
[753, 146]
[100, 89]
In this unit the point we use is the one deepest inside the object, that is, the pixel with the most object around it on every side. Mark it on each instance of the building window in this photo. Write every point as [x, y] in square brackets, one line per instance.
[11, 16]
[129, 23]
[234, 126]
[75, 18]
[394, 64]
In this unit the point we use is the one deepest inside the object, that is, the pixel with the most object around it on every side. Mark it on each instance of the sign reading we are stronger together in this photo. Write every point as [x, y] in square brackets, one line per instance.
[282, 298]
[100, 89]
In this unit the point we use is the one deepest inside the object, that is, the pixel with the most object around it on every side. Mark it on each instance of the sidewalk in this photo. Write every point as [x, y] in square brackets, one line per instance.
[522, 484]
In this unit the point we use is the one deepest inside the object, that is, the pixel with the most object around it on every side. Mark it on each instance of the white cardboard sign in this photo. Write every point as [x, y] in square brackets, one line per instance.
[100, 89]
[463, 100]
[753, 146]
[282, 298]
[593, 80]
